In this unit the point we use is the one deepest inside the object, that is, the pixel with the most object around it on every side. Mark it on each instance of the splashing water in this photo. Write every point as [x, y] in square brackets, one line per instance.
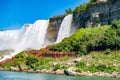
[65, 28]
[31, 36]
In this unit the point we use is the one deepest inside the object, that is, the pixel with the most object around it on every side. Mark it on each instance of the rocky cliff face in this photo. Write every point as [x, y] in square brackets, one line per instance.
[54, 25]
[99, 13]
[102, 12]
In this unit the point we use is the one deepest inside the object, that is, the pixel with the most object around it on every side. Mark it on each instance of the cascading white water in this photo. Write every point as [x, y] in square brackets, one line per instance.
[31, 36]
[65, 28]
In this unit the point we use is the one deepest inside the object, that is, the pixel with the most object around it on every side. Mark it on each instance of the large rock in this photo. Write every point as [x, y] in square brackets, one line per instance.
[53, 29]
[70, 72]
[67, 72]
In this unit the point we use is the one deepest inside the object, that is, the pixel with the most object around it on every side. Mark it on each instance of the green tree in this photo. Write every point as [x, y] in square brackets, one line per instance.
[68, 11]
[83, 6]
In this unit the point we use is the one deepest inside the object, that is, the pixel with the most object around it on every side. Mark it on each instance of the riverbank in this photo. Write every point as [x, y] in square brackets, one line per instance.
[100, 64]
[10, 75]
[61, 72]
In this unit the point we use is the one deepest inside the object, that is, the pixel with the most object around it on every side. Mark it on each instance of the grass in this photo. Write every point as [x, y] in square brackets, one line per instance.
[100, 62]
[82, 41]
[97, 61]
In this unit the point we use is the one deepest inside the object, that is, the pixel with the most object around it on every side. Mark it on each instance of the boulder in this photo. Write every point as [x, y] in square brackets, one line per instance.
[70, 73]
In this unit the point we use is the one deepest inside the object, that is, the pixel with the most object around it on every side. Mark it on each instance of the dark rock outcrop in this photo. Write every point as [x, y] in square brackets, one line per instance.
[67, 72]
[53, 29]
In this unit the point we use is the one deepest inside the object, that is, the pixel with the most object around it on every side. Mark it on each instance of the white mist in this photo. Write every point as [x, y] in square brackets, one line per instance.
[31, 36]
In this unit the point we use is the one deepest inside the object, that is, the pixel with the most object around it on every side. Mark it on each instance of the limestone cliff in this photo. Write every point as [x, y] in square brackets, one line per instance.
[102, 12]
[53, 28]
[99, 13]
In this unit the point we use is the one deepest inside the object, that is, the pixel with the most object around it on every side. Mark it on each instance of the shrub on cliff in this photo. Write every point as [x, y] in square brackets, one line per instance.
[85, 40]
[111, 38]
[30, 61]
[116, 26]
[83, 6]
[68, 11]
[57, 17]
[82, 41]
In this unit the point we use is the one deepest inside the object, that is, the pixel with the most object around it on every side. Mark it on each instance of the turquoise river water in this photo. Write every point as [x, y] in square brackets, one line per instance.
[8, 75]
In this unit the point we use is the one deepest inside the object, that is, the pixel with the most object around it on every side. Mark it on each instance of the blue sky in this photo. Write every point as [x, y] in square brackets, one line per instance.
[15, 13]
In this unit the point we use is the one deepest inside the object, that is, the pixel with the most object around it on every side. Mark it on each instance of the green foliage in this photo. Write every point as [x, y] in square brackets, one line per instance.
[68, 11]
[85, 40]
[100, 62]
[58, 16]
[8, 65]
[43, 63]
[111, 38]
[79, 70]
[102, 67]
[56, 67]
[30, 61]
[81, 64]
[108, 51]
[20, 55]
[79, 8]
[92, 1]
[64, 66]
[92, 68]
[110, 69]
[19, 58]
[82, 41]
[116, 24]
[83, 6]
[93, 62]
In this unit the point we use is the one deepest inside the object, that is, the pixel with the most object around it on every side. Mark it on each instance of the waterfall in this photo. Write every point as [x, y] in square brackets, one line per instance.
[65, 28]
[30, 36]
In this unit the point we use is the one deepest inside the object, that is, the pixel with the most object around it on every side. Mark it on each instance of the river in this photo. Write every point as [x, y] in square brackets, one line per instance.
[8, 75]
